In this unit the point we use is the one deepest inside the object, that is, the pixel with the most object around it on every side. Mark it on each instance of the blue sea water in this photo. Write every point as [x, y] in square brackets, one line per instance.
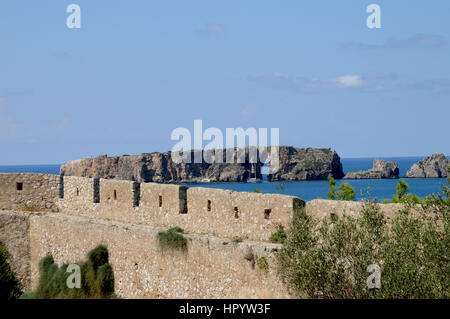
[307, 190]
[380, 189]
[40, 169]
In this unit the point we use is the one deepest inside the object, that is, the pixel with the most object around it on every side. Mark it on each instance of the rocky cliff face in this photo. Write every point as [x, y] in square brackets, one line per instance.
[295, 164]
[156, 167]
[380, 170]
[435, 166]
[301, 164]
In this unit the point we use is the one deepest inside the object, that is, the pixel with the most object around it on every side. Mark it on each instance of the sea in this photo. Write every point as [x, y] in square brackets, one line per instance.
[380, 189]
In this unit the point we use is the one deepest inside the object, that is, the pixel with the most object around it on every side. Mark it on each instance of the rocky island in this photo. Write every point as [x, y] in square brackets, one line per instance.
[296, 164]
[434, 166]
[380, 170]
[304, 164]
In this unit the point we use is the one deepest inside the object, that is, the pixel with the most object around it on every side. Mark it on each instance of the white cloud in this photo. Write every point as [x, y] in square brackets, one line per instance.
[361, 83]
[350, 81]
[296, 83]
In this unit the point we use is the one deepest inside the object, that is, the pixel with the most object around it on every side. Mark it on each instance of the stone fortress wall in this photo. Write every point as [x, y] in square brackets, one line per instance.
[227, 233]
[34, 190]
[197, 210]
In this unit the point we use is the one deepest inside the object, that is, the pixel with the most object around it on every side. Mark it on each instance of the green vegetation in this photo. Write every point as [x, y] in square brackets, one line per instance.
[9, 285]
[402, 195]
[29, 208]
[332, 192]
[262, 264]
[344, 192]
[281, 187]
[310, 164]
[441, 201]
[172, 239]
[97, 278]
[237, 240]
[278, 237]
[257, 191]
[329, 258]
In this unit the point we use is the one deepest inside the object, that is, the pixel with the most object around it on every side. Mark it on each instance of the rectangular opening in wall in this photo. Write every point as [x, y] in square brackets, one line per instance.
[208, 206]
[160, 201]
[136, 194]
[267, 213]
[19, 186]
[96, 190]
[182, 196]
[61, 186]
[78, 192]
[236, 212]
[115, 195]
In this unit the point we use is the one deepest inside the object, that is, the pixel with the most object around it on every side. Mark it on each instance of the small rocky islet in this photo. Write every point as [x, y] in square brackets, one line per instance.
[380, 170]
[295, 164]
[435, 166]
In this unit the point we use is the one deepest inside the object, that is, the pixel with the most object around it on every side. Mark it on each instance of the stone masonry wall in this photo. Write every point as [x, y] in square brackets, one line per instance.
[228, 214]
[39, 190]
[211, 267]
[14, 233]
[127, 216]
[216, 212]
[321, 208]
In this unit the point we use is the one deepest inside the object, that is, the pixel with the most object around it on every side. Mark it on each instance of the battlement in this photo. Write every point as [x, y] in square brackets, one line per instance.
[217, 212]
[77, 214]
[39, 191]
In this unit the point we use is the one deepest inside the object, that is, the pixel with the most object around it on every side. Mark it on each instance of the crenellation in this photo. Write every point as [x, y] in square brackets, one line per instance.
[198, 210]
[79, 197]
[33, 191]
[80, 213]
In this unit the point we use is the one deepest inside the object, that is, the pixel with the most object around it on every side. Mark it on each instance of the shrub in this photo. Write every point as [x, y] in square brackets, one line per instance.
[281, 187]
[29, 208]
[257, 191]
[332, 192]
[97, 278]
[237, 239]
[9, 285]
[262, 264]
[344, 192]
[278, 237]
[172, 239]
[329, 258]
[402, 195]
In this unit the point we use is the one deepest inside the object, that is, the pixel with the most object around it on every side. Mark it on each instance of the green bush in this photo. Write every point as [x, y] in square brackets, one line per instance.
[278, 237]
[329, 258]
[332, 192]
[172, 239]
[344, 192]
[29, 208]
[9, 285]
[97, 278]
[263, 264]
[281, 187]
[402, 195]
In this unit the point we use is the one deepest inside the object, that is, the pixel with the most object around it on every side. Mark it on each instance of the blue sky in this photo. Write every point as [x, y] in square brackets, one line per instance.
[136, 70]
